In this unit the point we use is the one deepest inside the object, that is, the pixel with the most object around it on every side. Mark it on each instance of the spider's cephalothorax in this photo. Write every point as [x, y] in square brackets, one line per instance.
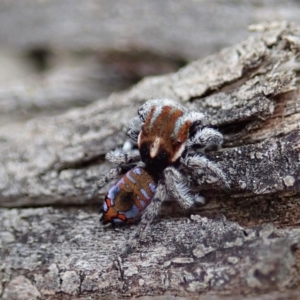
[170, 141]
[165, 129]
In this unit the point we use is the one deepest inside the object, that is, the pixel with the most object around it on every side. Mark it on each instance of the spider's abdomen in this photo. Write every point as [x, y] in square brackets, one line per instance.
[126, 200]
[163, 136]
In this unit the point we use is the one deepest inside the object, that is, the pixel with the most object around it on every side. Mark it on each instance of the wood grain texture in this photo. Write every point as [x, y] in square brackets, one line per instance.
[186, 29]
[248, 91]
[58, 159]
[66, 253]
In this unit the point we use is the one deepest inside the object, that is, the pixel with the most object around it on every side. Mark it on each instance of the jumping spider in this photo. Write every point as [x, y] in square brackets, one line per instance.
[170, 159]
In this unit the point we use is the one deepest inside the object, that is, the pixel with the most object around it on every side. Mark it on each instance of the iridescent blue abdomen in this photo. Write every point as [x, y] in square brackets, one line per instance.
[127, 199]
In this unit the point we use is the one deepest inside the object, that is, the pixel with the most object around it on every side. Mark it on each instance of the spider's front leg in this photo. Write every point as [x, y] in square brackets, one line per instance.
[112, 174]
[199, 164]
[126, 156]
[178, 187]
[205, 138]
[119, 156]
[174, 184]
[147, 218]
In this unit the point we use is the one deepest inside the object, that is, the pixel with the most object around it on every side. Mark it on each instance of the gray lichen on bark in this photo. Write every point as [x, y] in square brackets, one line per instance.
[249, 92]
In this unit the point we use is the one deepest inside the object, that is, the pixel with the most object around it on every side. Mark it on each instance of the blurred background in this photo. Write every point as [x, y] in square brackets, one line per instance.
[59, 54]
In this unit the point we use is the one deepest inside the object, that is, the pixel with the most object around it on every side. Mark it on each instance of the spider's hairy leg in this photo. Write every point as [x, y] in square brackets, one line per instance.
[133, 128]
[147, 218]
[178, 187]
[118, 156]
[199, 164]
[206, 137]
[112, 174]
[194, 117]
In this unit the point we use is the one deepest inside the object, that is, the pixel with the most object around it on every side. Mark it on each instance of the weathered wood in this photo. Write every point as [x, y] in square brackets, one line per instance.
[58, 159]
[52, 93]
[185, 29]
[65, 254]
[68, 84]
[114, 34]
[250, 92]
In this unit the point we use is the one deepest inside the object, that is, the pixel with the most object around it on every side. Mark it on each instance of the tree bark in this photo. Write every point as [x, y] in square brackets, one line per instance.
[250, 93]
[183, 29]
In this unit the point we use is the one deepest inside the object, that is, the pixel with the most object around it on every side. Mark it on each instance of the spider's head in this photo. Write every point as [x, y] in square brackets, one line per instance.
[163, 136]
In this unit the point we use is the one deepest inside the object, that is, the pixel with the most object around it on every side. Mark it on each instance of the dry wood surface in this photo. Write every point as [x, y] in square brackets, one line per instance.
[244, 241]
